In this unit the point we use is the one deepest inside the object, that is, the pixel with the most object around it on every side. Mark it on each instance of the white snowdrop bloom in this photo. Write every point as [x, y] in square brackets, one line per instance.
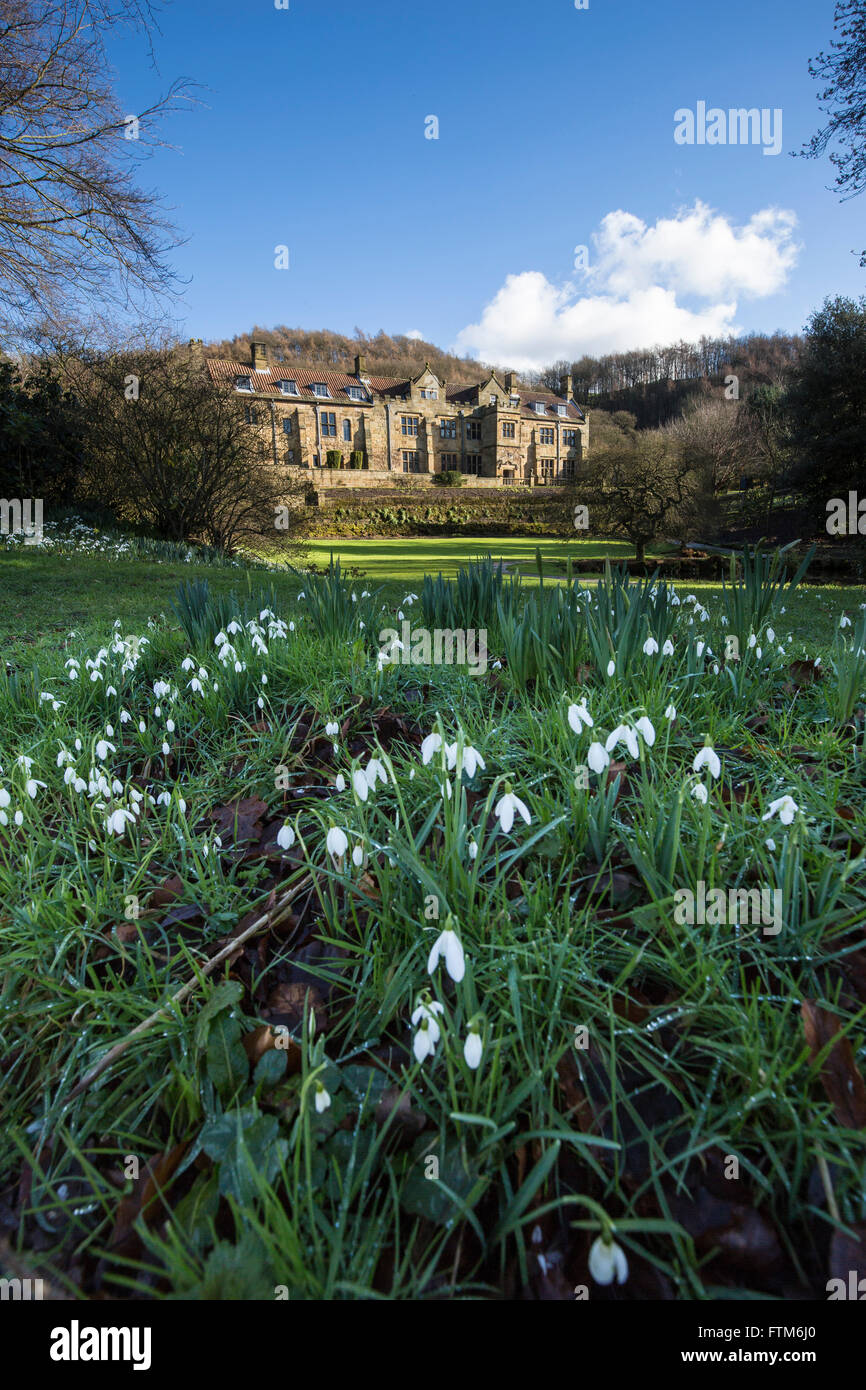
[23, 761]
[699, 649]
[332, 729]
[220, 639]
[667, 647]
[165, 750]
[323, 1099]
[18, 818]
[771, 845]
[786, 807]
[80, 785]
[358, 856]
[69, 776]
[753, 641]
[428, 1034]
[675, 601]
[578, 715]
[645, 728]
[623, 734]
[505, 809]
[707, 757]
[771, 636]
[472, 1049]
[432, 743]
[164, 799]
[109, 731]
[336, 843]
[375, 771]
[118, 821]
[285, 837]
[142, 727]
[597, 757]
[64, 758]
[5, 798]
[73, 673]
[125, 716]
[340, 783]
[239, 666]
[32, 787]
[78, 745]
[448, 944]
[844, 621]
[715, 668]
[700, 793]
[158, 711]
[302, 594]
[161, 689]
[260, 704]
[234, 627]
[291, 627]
[470, 760]
[611, 668]
[472, 849]
[95, 675]
[607, 1262]
[650, 646]
[360, 783]
[671, 713]
[690, 598]
[187, 664]
[103, 748]
[110, 690]
[758, 653]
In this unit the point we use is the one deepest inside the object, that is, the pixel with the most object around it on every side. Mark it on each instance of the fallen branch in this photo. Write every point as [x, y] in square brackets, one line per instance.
[269, 918]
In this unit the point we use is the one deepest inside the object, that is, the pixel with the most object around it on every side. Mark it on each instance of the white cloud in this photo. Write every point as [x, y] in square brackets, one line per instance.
[415, 333]
[639, 277]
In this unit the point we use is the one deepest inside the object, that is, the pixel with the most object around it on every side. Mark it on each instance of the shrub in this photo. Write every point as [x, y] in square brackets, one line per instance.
[356, 458]
[333, 459]
[448, 478]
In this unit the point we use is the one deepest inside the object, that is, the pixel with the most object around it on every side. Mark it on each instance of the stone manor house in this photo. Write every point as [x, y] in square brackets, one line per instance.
[496, 431]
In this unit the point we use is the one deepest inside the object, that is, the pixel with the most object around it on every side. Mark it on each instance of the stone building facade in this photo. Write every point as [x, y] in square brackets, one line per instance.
[496, 431]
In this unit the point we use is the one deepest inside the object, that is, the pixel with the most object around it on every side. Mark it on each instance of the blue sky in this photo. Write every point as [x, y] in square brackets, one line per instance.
[556, 128]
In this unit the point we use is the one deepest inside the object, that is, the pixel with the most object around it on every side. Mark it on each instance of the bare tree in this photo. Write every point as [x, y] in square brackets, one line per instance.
[641, 484]
[177, 451]
[713, 431]
[74, 224]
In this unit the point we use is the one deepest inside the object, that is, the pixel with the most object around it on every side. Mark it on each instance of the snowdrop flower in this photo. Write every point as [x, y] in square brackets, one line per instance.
[771, 636]
[753, 641]
[578, 715]
[360, 783]
[18, 818]
[844, 621]
[340, 783]
[607, 1262]
[285, 837]
[431, 745]
[336, 844]
[611, 668]
[671, 713]
[5, 798]
[448, 944]
[597, 757]
[375, 771]
[118, 821]
[700, 793]
[25, 762]
[33, 786]
[650, 646]
[786, 807]
[623, 734]
[470, 759]
[169, 725]
[667, 647]
[187, 664]
[125, 716]
[358, 856]
[645, 729]
[195, 686]
[771, 845]
[428, 1034]
[332, 729]
[473, 849]
[323, 1099]
[472, 1049]
[707, 757]
[165, 750]
[505, 809]
[103, 748]
[699, 649]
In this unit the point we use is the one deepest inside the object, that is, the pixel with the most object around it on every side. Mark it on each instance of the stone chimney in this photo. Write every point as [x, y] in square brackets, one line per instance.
[259, 353]
[566, 386]
[509, 382]
[360, 365]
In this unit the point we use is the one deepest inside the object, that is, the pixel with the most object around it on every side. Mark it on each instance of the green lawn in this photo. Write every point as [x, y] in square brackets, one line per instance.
[408, 559]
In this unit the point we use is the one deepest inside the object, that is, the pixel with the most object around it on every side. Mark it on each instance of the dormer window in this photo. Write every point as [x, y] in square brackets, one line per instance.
[562, 410]
[539, 407]
[319, 388]
[288, 388]
[357, 393]
[243, 383]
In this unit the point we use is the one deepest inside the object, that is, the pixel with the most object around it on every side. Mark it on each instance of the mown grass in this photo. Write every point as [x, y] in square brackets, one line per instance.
[694, 1050]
